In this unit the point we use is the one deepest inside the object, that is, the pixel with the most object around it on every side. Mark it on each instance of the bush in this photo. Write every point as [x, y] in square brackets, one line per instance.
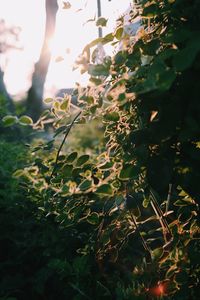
[128, 215]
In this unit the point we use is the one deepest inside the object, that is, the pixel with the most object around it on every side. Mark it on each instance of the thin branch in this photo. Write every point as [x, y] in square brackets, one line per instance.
[168, 198]
[160, 216]
[146, 247]
[63, 141]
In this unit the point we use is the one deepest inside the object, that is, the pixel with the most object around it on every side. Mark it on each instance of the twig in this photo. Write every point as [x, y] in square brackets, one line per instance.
[168, 198]
[160, 216]
[146, 247]
[63, 141]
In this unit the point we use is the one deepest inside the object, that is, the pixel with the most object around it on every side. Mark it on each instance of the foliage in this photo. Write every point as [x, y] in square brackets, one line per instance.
[130, 212]
[33, 253]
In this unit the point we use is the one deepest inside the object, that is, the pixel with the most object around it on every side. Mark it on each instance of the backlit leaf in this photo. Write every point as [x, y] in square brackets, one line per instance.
[101, 22]
[9, 120]
[25, 120]
[48, 100]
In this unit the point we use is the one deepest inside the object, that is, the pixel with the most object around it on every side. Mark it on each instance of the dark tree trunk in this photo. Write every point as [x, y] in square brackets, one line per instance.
[3, 91]
[35, 93]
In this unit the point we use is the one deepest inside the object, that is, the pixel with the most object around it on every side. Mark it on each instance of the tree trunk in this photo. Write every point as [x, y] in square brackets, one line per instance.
[3, 91]
[35, 93]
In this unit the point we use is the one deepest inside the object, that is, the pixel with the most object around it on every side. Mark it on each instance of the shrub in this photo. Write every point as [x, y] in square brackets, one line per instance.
[130, 212]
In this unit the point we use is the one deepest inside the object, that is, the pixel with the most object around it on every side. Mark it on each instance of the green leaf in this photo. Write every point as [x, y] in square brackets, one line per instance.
[96, 81]
[101, 22]
[25, 120]
[65, 190]
[98, 70]
[59, 130]
[105, 189]
[120, 58]
[48, 100]
[65, 105]
[157, 253]
[82, 160]
[9, 120]
[71, 157]
[85, 185]
[113, 116]
[18, 173]
[67, 170]
[128, 172]
[184, 202]
[106, 166]
[118, 33]
[107, 38]
[146, 202]
[93, 218]
[76, 172]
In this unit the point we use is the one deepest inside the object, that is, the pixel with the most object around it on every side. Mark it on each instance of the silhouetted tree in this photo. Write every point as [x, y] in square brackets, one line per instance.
[8, 40]
[35, 93]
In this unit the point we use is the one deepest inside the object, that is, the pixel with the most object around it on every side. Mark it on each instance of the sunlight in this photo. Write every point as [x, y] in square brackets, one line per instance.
[30, 39]
[72, 33]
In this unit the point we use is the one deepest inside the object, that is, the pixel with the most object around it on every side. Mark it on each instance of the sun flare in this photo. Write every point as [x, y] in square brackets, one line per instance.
[73, 31]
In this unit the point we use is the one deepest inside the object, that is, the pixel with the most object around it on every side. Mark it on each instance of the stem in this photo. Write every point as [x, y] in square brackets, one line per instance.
[63, 141]
[160, 216]
[99, 15]
[168, 198]
[146, 247]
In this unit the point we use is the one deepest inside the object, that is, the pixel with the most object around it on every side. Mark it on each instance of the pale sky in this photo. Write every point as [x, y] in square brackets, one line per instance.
[71, 35]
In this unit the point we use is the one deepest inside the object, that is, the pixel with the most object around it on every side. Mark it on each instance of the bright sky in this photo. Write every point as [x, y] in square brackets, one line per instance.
[71, 35]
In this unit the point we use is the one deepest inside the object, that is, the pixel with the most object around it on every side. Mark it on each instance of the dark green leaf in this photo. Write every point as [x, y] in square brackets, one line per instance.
[105, 189]
[9, 120]
[113, 116]
[85, 185]
[82, 160]
[128, 172]
[71, 157]
[93, 218]
[67, 170]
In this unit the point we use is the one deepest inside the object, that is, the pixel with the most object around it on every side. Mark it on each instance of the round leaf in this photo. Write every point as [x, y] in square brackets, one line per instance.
[9, 120]
[101, 22]
[25, 120]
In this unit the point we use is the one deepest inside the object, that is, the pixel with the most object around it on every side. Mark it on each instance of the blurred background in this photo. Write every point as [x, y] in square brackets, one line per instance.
[41, 39]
